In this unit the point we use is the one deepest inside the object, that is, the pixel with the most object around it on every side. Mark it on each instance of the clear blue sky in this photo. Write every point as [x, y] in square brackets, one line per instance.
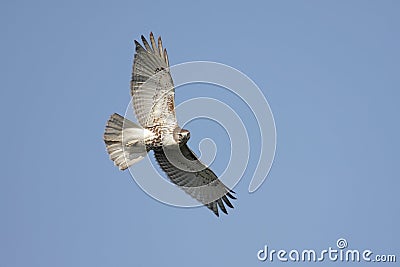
[329, 69]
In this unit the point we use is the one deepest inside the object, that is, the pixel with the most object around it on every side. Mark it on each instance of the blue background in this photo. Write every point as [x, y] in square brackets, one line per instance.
[329, 69]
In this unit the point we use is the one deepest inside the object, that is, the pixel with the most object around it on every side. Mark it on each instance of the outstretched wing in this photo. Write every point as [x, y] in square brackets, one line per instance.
[186, 171]
[152, 88]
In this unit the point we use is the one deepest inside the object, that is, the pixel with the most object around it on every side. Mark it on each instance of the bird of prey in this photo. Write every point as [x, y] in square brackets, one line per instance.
[153, 93]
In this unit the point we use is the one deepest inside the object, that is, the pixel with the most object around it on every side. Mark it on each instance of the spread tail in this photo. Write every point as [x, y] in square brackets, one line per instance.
[125, 141]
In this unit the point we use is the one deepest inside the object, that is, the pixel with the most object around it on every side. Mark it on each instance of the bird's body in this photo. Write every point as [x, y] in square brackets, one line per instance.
[153, 96]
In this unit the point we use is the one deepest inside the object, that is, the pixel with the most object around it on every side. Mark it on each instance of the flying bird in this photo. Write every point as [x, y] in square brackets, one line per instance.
[153, 95]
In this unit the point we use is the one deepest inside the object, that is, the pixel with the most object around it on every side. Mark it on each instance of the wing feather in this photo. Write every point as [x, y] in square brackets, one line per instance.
[166, 56]
[186, 171]
[160, 47]
[153, 42]
[227, 202]
[221, 206]
[146, 44]
[152, 88]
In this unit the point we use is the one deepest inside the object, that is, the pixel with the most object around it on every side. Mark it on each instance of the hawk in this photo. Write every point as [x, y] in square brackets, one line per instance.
[153, 94]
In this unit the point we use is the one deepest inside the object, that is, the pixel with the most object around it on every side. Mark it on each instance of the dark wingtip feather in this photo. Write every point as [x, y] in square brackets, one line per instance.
[227, 202]
[213, 208]
[146, 44]
[143, 39]
[138, 45]
[230, 195]
[221, 206]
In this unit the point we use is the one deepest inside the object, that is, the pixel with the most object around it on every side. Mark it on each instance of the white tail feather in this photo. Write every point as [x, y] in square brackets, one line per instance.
[125, 141]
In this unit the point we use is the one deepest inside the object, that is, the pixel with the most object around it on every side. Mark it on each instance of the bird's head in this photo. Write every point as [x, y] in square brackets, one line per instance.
[181, 135]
